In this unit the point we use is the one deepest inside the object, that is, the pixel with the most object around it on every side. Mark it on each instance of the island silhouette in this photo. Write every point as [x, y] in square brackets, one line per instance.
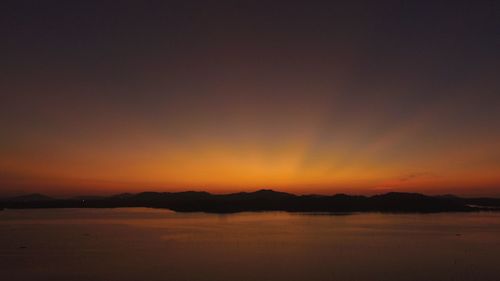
[262, 200]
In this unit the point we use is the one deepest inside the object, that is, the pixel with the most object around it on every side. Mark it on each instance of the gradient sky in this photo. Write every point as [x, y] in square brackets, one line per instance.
[362, 97]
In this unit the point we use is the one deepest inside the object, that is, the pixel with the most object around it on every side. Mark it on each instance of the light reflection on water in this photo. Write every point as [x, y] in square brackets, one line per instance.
[155, 244]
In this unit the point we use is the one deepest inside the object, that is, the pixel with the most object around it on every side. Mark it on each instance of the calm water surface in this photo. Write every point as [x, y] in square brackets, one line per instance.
[148, 244]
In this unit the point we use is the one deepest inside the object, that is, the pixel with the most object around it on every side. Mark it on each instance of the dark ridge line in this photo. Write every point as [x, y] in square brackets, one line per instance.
[263, 200]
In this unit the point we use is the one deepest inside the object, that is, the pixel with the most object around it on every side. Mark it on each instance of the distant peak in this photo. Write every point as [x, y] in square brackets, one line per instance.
[266, 191]
[270, 192]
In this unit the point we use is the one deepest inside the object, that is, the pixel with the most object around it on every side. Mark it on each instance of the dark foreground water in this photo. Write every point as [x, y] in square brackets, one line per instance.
[147, 244]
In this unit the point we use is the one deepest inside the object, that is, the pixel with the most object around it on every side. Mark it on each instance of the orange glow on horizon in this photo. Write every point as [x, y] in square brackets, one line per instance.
[219, 166]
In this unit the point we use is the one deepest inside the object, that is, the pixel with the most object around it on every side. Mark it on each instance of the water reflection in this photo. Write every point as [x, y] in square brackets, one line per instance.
[154, 244]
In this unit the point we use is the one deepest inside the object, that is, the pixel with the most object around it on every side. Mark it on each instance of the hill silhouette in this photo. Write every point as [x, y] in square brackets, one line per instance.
[263, 200]
[34, 197]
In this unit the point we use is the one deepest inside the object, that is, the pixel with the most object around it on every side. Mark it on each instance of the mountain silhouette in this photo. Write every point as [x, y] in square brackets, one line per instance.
[34, 197]
[263, 200]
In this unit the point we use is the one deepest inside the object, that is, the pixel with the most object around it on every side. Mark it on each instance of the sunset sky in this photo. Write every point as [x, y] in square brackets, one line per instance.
[360, 97]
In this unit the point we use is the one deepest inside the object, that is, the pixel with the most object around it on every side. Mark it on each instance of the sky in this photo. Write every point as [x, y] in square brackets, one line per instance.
[358, 97]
